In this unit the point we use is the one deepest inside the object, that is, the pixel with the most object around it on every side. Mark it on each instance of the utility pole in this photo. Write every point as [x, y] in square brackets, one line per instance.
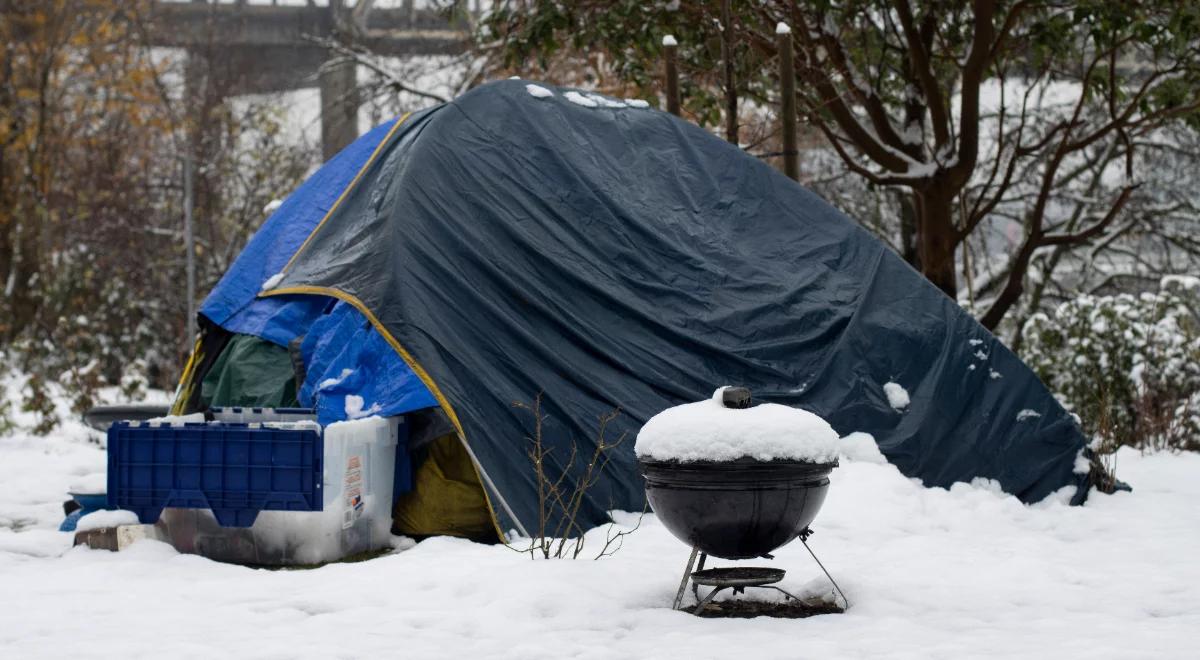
[189, 242]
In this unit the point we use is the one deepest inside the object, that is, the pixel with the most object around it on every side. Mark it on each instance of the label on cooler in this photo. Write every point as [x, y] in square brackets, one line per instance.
[353, 489]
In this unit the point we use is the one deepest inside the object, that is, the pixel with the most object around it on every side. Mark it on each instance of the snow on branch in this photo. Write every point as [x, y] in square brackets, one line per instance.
[376, 64]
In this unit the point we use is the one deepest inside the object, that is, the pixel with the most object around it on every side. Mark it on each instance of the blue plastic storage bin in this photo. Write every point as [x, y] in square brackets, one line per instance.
[234, 469]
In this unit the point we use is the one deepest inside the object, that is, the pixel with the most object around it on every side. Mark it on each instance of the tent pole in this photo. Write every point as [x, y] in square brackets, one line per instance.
[488, 483]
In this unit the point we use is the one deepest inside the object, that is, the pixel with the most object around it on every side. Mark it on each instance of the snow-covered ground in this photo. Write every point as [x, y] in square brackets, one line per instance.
[930, 574]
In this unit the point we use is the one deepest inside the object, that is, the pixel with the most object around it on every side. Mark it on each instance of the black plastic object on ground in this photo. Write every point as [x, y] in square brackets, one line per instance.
[736, 509]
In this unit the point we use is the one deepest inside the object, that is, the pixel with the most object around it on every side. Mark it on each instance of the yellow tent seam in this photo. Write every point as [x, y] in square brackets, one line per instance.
[184, 388]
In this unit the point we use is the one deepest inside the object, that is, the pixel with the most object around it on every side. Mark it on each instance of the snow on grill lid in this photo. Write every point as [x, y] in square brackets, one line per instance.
[708, 431]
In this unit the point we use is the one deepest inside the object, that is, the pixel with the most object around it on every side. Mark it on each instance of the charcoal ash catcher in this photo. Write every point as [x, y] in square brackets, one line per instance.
[737, 509]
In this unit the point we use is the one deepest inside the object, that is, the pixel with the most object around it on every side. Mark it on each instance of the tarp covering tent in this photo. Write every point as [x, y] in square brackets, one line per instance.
[607, 256]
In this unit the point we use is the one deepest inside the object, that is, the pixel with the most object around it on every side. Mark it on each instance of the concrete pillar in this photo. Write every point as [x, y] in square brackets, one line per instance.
[339, 106]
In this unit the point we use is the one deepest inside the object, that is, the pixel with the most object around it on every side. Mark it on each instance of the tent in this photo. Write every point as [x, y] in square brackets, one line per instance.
[528, 243]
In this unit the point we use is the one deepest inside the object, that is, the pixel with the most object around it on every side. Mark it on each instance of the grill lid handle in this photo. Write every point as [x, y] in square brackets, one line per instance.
[736, 397]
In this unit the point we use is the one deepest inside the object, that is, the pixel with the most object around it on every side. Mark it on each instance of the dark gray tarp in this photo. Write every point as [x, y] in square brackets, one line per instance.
[620, 258]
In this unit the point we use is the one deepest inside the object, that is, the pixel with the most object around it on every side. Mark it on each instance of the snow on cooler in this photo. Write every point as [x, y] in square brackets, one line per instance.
[708, 431]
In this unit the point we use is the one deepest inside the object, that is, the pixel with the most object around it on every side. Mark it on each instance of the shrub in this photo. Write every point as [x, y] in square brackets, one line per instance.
[1128, 366]
[562, 486]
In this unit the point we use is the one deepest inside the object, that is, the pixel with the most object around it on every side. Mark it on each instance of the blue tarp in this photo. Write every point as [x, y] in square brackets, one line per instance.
[345, 357]
[341, 350]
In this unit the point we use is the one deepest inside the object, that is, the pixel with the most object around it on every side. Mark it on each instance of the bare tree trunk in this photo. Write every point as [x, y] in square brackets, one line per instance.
[936, 240]
[908, 227]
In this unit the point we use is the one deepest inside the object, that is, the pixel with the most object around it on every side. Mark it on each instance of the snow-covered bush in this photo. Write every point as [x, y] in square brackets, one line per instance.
[1128, 365]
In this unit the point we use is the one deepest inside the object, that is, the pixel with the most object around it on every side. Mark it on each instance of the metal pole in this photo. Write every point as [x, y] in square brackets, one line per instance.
[787, 78]
[487, 480]
[670, 46]
[190, 253]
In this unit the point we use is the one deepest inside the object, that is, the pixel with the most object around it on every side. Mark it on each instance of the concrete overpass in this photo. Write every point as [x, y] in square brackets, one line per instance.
[261, 48]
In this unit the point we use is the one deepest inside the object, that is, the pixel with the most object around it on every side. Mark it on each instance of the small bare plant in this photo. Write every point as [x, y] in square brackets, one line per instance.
[559, 534]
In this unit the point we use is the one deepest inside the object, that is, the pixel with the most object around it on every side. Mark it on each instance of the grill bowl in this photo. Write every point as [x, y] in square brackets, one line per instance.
[736, 509]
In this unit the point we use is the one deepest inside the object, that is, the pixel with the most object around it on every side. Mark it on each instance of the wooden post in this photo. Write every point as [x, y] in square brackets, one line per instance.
[787, 110]
[670, 46]
[727, 54]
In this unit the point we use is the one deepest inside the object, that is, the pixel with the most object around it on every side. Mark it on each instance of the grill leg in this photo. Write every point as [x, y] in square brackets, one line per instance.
[700, 606]
[687, 574]
[700, 567]
[804, 539]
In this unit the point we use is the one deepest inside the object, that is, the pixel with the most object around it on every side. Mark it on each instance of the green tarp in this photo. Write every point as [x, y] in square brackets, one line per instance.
[250, 372]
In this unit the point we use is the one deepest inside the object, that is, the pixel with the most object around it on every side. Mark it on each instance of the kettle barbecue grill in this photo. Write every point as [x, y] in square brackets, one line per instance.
[740, 509]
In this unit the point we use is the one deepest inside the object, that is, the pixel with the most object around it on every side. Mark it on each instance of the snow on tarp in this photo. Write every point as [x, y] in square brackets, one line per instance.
[708, 431]
[897, 396]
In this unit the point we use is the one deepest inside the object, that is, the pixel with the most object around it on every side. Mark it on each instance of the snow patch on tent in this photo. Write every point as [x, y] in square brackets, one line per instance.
[272, 282]
[897, 396]
[580, 99]
[974, 342]
[272, 206]
[637, 103]
[333, 382]
[993, 374]
[103, 519]
[354, 407]
[708, 431]
[606, 102]
[1027, 413]
[980, 355]
[538, 92]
